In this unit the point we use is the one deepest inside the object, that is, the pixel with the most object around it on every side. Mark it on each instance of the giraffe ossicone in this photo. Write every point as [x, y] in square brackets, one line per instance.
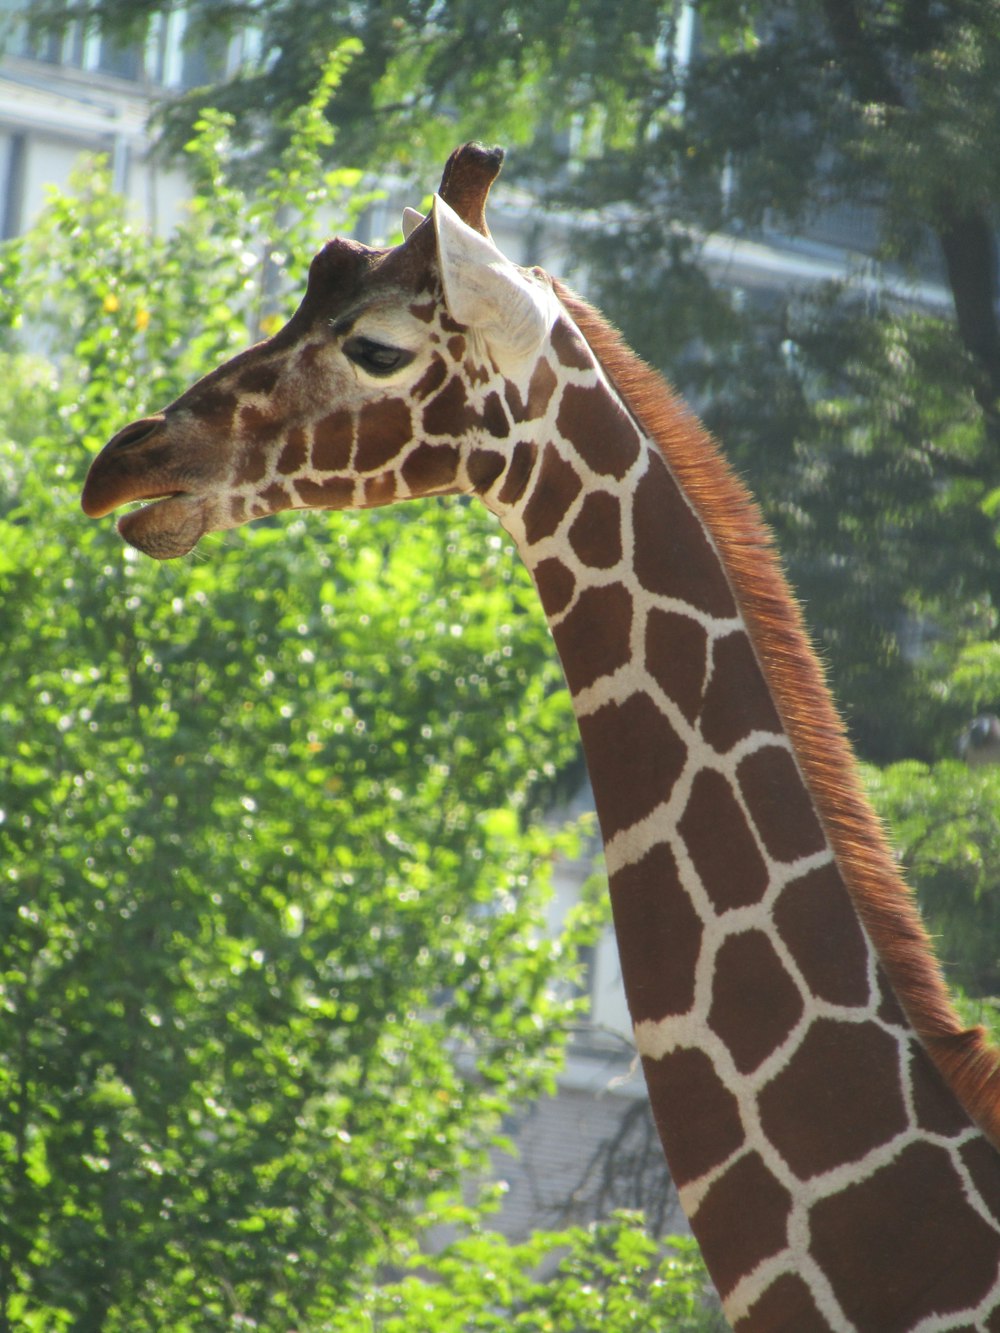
[829, 1123]
[411, 220]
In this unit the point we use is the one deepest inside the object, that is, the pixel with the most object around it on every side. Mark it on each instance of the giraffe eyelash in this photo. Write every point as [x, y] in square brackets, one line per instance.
[376, 358]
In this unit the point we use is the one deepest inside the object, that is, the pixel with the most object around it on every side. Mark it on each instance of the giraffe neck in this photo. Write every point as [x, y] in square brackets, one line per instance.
[785, 1044]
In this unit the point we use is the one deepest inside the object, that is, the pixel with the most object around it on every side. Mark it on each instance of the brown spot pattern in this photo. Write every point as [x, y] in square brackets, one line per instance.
[522, 461]
[594, 638]
[595, 534]
[259, 427]
[432, 378]
[476, 373]
[676, 658]
[818, 924]
[333, 441]
[295, 453]
[635, 757]
[334, 493]
[673, 556]
[540, 389]
[252, 465]
[721, 845]
[274, 498]
[687, 1094]
[430, 467]
[260, 378]
[380, 490]
[779, 804]
[555, 584]
[890, 1010]
[787, 1304]
[981, 1160]
[306, 360]
[755, 1003]
[213, 408]
[952, 1249]
[569, 347]
[936, 1108]
[448, 325]
[556, 487]
[384, 428]
[735, 1234]
[483, 467]
[599, 429]
[494, 418]
[737, 701]
[838, 1097]
[449, 413]
[659, 935]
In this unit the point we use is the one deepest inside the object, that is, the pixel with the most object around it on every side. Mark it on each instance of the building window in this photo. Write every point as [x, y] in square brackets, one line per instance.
[120, 61]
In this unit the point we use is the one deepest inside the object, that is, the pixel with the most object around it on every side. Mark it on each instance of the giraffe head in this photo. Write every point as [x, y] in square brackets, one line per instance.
[401, 374]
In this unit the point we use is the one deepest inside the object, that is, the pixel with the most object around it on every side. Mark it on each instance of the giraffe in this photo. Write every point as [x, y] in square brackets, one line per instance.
[829, 1124]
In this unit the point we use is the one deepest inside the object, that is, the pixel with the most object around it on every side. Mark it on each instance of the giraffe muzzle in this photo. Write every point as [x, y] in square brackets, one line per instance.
[141, 463]
[121, 472]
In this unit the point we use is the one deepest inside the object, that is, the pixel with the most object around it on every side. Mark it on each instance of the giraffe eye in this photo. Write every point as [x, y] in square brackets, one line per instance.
[377, 358]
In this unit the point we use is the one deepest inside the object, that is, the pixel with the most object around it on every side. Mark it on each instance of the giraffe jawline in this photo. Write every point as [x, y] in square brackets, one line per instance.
[166, 528]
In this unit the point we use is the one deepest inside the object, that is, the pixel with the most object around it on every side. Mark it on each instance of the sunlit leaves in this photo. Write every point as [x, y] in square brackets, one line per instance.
[610, 1278]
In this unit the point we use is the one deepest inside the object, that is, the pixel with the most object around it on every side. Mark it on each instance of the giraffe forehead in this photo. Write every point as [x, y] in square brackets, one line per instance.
[346, 278]
[390, 319]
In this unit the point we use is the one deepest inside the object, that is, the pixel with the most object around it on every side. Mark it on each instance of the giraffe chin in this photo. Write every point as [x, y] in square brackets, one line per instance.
[166, 529]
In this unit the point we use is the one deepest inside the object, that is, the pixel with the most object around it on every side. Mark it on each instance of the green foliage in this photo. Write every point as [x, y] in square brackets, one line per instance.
[945, 821]
[869, 451]
[272, 959]
[608, 1278]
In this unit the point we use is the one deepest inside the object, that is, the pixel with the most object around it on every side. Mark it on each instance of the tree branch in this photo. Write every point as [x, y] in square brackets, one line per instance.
[969, 247]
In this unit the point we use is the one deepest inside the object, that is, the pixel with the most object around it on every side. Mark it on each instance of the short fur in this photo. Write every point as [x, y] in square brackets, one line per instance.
[969, 1063]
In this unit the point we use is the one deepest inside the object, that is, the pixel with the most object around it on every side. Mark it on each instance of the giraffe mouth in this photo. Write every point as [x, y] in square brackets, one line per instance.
[166, 526]
[136, 467]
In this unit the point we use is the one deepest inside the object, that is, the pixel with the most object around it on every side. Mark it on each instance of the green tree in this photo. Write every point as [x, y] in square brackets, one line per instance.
[945, 819]
[945, 826]
[272, 959]
[608, 1278]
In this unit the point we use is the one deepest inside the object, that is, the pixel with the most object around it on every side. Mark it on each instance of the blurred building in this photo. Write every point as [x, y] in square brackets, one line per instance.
[80, 94]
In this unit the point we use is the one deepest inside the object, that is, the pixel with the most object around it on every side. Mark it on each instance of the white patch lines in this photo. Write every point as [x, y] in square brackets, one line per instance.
[796, 1262]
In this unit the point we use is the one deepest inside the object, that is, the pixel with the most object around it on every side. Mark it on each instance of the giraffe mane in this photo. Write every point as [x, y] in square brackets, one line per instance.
[969, 1062]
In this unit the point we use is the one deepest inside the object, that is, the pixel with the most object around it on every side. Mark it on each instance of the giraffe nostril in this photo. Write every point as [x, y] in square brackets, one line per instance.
[136, 433]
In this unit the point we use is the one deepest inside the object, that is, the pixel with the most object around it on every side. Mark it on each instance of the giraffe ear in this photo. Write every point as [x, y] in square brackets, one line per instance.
[484, 290]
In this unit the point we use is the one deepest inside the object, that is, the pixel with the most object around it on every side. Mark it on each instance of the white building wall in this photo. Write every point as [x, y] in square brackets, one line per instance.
[51, 120]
